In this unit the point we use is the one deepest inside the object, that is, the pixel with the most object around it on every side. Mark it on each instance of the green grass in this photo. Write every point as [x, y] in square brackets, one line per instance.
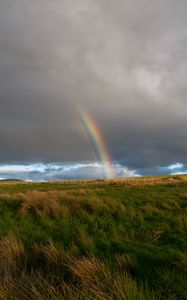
[115, 239]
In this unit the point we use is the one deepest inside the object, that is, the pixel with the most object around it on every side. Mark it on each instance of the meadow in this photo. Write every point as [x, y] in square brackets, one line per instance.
[120, 239]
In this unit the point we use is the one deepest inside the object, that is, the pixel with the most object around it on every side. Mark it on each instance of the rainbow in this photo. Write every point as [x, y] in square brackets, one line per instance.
[97, 140]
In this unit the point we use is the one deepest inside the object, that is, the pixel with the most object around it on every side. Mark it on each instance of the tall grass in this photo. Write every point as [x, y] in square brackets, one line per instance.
[12, 255]
[88, 278]
[115, 239]
[41, 203]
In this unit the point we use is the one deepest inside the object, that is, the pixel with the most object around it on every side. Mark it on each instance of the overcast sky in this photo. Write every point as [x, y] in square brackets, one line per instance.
[123, 61]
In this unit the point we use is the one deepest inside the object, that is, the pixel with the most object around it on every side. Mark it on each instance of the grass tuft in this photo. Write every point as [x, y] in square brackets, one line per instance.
[41, 204]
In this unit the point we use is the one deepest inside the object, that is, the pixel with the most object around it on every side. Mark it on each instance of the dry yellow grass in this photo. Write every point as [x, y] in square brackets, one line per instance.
[94, 278]
[41, 203]
[52, 255]
[12, 255]
[63, 203]
[105, 285]
[150, 209]
[12, 197]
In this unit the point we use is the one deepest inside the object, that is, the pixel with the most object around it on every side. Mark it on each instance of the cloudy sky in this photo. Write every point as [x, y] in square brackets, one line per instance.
[123, 61]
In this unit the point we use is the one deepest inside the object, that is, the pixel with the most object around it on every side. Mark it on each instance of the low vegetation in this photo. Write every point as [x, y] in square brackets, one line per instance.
[106, 240]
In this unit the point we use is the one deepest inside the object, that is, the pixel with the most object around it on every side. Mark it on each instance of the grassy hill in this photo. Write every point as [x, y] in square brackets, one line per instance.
[115, 239]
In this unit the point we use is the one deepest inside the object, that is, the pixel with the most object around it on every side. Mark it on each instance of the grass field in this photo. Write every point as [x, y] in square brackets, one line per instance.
[115, 239]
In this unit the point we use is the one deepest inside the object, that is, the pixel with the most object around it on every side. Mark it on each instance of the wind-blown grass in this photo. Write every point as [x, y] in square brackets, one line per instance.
[116, 239]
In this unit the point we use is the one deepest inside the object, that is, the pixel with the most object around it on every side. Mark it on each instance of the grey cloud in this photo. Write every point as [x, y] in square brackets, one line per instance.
[124, 61]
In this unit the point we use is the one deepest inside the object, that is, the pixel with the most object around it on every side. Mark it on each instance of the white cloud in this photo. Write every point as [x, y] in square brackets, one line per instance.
[173, 169]
[87, 170]
[179, 172]
[175, 166]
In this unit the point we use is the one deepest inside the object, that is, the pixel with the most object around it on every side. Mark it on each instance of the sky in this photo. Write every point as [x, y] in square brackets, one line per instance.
[123, 63]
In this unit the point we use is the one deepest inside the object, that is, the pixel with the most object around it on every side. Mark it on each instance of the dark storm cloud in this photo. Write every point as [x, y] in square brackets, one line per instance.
[124, 61]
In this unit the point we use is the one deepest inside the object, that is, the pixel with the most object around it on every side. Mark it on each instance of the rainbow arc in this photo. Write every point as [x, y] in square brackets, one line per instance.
[97, 140]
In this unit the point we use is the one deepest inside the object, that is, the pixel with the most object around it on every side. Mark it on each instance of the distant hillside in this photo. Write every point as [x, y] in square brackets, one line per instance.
[11, 180]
